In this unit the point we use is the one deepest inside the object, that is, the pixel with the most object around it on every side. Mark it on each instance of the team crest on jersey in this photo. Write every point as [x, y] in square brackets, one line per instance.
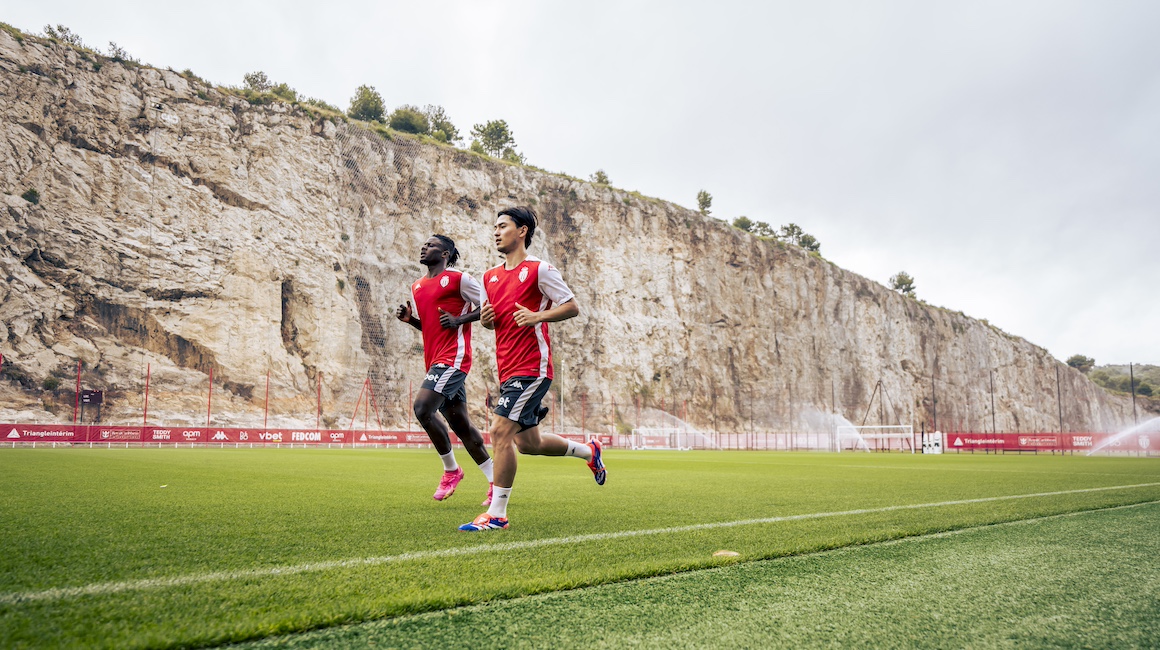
[444, 281]
[523, 274]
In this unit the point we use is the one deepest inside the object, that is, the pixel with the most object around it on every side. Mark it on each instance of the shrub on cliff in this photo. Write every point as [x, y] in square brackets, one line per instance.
[440, 123]
[1081, 363]
[409, 119]
[31, 195]
[704, 202]
[763, 230]
[118, 54]
[64, 35]
[494, 137]
[284, 91]
[902, 283]
[256, 81]
[13, 32]
[367, 105]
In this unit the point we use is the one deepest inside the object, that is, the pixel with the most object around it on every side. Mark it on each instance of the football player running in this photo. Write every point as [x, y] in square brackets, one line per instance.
[521, 296]
[446, 303]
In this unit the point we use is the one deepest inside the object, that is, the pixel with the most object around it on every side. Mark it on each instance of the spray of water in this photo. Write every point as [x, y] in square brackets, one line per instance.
[662, 423]
[1146, 427]
[844, 436]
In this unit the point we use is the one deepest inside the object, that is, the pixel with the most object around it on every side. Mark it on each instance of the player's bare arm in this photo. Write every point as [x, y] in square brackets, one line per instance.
[450, 321]
[525, 317]
[406, 314]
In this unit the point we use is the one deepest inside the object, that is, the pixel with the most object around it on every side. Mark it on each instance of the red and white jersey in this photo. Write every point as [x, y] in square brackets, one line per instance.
[454, 292]
[537, 285]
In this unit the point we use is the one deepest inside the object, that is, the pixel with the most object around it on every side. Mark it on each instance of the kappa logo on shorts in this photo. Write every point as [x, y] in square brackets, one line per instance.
[504, 402]
[516, 384]
[523, 274]
[444, 281]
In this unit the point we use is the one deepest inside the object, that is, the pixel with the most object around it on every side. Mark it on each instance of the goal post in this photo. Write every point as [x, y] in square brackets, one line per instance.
[893, 437]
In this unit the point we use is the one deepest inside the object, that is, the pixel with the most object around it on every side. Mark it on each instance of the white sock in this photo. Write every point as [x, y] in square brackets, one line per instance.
[449, 464]
[579, 450]
[485, 467]
[499, 501]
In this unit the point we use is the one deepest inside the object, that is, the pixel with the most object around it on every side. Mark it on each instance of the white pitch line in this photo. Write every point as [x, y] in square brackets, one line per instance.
[107, 588]
[854, 548]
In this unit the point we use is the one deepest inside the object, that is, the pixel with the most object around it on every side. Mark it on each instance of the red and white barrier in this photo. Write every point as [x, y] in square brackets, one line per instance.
[152, 435]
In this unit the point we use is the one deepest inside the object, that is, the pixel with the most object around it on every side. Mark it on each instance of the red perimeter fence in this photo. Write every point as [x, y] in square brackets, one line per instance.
[94, 435]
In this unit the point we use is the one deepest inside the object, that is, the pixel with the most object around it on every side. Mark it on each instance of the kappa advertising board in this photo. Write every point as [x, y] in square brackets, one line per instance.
[150, 435]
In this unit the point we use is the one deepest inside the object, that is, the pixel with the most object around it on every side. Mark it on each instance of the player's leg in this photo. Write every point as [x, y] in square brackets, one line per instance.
[503, 454]
[534, 442]
[455, 411]
[427, 405]
[527, 411]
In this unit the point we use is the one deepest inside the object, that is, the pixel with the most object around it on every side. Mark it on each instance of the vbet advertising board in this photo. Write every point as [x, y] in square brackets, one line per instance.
[67, 433]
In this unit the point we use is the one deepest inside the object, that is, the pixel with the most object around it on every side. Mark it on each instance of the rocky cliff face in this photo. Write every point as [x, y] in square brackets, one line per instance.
[185, 231]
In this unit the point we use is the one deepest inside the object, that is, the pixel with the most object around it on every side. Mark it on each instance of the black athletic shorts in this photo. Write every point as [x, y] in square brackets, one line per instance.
[448, 382]
[519, 399]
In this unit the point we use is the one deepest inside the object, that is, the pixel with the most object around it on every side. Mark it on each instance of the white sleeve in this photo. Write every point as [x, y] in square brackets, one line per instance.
[471, 290]
[552, 284]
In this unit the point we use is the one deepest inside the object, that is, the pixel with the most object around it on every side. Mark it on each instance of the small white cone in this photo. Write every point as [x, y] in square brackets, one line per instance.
[726, 554]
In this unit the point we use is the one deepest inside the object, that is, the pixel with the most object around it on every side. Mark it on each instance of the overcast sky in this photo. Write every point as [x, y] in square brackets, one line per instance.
[1005, 154]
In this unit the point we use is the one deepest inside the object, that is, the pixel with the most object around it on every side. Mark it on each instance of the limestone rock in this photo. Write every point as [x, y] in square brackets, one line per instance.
[182, 231]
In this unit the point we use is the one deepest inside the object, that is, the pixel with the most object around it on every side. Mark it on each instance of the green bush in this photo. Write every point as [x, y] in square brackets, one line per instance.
[704, 202]
[284, 91]
[12, 31]
[32, 196]
[64, 35]
[437, 117]
[494, 137]
[409, 119]
[903, 283]
[743, 223]
[367, 105]
[50, 383]
[257, 81]
[191, 76]
[1081, 363]
[313, 101]
[118, 53]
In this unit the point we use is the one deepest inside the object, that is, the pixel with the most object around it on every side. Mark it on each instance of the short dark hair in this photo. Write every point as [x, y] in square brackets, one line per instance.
[449, 246]
[523, 216]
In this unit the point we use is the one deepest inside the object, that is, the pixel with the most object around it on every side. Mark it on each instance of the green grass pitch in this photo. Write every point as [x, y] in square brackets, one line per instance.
[271, 544]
